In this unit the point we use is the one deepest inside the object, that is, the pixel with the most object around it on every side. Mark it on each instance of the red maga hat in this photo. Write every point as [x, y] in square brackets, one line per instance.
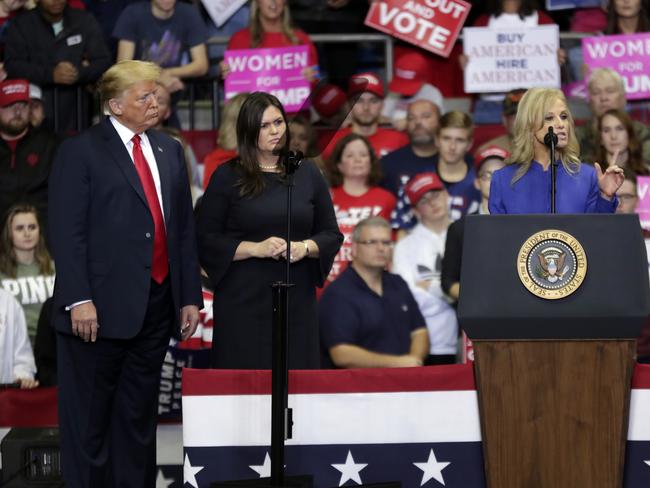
[420, 184]
[12, 91]
[366, 82]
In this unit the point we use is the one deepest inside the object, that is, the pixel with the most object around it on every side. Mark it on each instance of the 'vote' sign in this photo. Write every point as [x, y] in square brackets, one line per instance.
[433, 25]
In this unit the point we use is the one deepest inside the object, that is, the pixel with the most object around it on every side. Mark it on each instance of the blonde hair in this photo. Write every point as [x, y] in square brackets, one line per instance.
[531, 110]
[121, 76]
[606, 74]
[256, 30]
[227, 138]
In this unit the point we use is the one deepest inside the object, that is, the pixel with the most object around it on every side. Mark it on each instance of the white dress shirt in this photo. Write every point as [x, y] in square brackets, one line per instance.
[126, 135]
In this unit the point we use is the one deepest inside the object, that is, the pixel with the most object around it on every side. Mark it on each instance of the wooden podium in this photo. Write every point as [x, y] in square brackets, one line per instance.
[553, 375]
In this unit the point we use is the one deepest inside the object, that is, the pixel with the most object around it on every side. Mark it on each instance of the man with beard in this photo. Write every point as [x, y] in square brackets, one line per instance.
[453, 164]
[26, 153]
[421, 155]
[366, 93]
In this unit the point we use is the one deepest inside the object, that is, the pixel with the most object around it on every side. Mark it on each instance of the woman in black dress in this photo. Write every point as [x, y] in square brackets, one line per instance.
[241, 228]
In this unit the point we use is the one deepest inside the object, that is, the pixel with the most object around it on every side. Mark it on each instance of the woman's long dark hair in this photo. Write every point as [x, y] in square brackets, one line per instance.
[635, 161]
[642, 25]
[8, 260]
[495, 7]
[251, 181]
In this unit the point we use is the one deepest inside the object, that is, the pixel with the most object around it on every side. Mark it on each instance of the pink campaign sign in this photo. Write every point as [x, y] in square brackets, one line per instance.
[274, 70]
[643, 205]
[629, 55]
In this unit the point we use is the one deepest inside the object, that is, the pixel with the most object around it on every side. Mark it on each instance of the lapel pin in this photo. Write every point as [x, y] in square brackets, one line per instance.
[160, 149]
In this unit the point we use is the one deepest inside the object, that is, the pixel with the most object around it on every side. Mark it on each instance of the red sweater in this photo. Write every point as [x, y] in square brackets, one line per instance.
[213, 160]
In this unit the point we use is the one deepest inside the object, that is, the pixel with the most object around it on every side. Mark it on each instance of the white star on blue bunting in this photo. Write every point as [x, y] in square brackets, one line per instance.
[264, 469]
[349, 470]
[432, 469]
[189, 472]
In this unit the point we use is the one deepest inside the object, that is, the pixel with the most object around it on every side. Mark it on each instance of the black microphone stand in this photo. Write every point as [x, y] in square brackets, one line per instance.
[281, 415]
[550, 140]
[281, 418]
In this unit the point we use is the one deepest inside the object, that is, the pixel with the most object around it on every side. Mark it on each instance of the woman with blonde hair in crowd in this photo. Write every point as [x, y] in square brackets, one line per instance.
[354, 173]
[270, 26]
[618, 143]
[226, 139]
[524, 185]
[26, 268]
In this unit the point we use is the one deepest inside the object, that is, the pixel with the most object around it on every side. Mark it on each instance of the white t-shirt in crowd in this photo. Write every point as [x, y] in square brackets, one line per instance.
[16, 356]
[418, 257]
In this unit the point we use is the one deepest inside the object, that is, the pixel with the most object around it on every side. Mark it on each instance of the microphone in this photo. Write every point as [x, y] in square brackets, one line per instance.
[291, 160]
[550, 139]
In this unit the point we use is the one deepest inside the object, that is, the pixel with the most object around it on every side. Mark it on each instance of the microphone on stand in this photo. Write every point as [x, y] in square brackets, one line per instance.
[292, 160]
[550, 140]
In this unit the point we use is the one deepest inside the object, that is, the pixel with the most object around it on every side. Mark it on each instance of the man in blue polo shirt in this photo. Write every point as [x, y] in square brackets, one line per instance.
[368, 316]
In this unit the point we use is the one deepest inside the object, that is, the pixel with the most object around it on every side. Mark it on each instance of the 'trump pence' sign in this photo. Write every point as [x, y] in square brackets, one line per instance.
[502, 60]
[629, 55]
[277, 71]
[433, 25]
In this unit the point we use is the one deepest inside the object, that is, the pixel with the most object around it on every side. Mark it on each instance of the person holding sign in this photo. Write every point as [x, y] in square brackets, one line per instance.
[524, 185]
[618, 143]
[240, 227]
[270, 26]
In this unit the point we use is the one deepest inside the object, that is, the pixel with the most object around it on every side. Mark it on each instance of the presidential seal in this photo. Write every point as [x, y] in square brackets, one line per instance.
[552, 264]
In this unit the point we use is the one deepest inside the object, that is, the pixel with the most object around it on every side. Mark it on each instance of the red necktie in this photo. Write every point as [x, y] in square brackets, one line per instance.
[159, 264]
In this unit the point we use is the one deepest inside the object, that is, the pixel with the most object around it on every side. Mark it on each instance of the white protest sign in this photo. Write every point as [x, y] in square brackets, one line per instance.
[222, 10]
[500, 60]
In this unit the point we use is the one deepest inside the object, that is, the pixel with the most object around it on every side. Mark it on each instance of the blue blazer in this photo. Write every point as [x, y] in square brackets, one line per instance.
[101, 230]
[531, 194]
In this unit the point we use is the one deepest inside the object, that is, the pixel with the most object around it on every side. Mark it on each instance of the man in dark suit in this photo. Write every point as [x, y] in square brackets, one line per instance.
[128, 278]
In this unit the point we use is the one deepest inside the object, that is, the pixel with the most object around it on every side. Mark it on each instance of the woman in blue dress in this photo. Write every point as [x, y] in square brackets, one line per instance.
[523, 186]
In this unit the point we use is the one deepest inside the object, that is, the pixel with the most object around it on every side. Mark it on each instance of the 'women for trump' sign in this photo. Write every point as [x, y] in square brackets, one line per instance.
[629, 55]
[502, 60]
[433, 25]
[278, 71]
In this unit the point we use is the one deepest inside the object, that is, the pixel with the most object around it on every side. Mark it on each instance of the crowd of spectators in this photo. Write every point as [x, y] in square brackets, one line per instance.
[404, 166]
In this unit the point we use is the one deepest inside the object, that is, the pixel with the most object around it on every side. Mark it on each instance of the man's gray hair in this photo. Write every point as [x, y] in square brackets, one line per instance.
[369, 222]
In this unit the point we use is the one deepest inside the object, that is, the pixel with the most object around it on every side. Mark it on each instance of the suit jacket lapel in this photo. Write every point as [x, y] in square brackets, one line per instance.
[122, 158]
[164, 171]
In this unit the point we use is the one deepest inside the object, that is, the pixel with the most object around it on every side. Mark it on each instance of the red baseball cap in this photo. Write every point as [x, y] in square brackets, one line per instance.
[420, 184]
[12, 91]
[491, 151]
[328, 100]
[366, 82]
[412, 69]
